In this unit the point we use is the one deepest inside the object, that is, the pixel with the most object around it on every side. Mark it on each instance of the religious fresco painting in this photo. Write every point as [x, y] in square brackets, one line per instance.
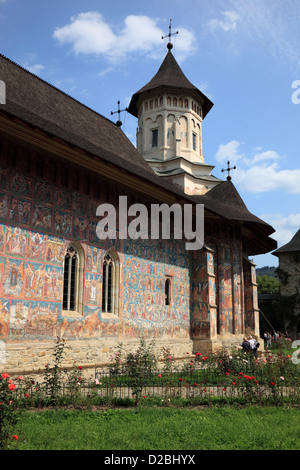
[32, 270]
[145, 312]
[250, 294]
[200, 322]
[206, 285]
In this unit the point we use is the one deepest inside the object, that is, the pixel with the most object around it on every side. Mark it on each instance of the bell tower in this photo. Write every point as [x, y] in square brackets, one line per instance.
[170, 112]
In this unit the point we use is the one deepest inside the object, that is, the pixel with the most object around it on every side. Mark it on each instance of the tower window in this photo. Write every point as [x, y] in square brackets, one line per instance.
[73, 281]
[155, 138]
[194, 141]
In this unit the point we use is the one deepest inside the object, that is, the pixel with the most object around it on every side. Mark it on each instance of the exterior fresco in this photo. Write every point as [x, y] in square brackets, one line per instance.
[39, 219]
[144, 289]
[251, 305]
[200, 326]
[42, 220]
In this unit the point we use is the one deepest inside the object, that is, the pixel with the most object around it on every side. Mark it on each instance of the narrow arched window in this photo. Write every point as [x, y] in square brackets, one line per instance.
[154, 137]
[168, 291]
[108, 265]
[110, 284]
[73, 279]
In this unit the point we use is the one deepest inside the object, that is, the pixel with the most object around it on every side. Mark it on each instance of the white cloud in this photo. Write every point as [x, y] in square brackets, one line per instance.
[35, 68]
[228, 22]
[184, 43]
[263, 178]
[267, 155]
[262, 156]
[30, 63]
[229, 152]
[260, 173]
[285, 226]
[88, 33]
[105, 71]
[140, 33]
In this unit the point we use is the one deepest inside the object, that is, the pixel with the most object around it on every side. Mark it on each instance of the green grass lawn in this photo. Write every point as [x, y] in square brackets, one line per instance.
[155, 428]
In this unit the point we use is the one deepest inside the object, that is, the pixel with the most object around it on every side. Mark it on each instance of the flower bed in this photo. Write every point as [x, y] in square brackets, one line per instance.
[223, 377]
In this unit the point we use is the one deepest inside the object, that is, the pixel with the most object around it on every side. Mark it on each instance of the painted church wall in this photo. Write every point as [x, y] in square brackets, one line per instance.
[38, 219]
[251, 303]
[200, 324]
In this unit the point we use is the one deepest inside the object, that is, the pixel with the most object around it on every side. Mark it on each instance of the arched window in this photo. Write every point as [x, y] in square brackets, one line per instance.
[168, 291]
[154, 137]
[73, 278]
[110, 284]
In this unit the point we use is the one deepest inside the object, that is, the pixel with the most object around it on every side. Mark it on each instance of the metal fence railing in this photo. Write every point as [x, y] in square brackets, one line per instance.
[202, 382]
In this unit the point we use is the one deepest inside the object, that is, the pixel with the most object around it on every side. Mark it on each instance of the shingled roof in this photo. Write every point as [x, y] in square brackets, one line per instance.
[225, 200]
[292, 245]
[44, 106]
[170, 75]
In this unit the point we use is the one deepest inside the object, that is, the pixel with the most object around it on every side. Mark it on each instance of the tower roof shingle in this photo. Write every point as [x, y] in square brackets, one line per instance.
[170, 75]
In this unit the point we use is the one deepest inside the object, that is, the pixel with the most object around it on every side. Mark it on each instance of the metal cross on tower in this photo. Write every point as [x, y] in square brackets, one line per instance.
[169, 45]
[228, 170]
[119, 122]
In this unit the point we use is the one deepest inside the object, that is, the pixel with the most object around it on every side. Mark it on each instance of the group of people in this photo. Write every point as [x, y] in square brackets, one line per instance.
[269, 337]
[250, 344]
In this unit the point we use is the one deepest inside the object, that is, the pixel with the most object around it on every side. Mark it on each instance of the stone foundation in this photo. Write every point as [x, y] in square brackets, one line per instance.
[31, 358]
[229, 342]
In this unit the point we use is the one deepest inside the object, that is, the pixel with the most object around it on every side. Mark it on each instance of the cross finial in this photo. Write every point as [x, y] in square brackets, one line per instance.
[169, 45]
[228, 169]
[119, 122]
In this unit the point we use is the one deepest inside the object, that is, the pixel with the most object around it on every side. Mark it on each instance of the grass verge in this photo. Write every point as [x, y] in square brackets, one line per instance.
[163, 428]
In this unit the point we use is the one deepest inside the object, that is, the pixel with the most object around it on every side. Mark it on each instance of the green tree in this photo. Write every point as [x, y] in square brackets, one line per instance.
[267, 285]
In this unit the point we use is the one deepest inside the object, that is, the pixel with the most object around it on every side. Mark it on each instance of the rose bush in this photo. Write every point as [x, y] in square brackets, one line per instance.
[9, 413]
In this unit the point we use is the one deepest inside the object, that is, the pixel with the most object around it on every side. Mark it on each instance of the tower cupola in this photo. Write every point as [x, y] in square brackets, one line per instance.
[170, 111]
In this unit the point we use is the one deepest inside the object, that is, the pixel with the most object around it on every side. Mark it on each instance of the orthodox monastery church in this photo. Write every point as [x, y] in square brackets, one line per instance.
[59, 161]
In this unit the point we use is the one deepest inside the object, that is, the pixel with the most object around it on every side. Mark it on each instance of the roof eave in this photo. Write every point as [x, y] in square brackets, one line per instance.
[207, 104]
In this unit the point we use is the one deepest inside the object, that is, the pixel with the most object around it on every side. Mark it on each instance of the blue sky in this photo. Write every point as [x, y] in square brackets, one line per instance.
[244, 55]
